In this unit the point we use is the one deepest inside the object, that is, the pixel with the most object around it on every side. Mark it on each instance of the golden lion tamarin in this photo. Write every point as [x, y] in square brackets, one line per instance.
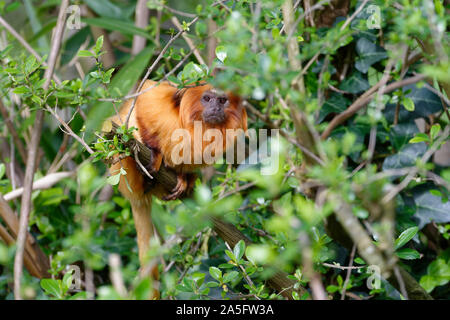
[157, 114]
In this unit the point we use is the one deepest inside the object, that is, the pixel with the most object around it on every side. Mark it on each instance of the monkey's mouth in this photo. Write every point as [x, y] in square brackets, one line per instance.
[213, 117]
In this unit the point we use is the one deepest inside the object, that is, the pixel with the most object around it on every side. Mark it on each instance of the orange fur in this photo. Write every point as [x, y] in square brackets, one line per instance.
[157, 114]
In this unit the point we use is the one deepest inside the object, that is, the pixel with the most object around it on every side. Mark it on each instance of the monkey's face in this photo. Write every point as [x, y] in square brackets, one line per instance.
[215, 108]
[214, 104]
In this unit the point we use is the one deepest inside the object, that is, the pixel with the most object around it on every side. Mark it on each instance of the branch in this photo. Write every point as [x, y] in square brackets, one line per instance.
[365, 99]
[32, 154]
[44, 183]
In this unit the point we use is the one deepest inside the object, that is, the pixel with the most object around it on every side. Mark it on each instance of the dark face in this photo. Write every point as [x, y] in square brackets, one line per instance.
[214, 105]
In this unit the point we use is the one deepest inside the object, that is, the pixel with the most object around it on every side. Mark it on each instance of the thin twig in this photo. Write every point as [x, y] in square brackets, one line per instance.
[189, 42]
[349, 272]
[365, 99]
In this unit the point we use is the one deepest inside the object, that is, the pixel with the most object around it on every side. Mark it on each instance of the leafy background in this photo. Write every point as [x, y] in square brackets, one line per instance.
[79, 221]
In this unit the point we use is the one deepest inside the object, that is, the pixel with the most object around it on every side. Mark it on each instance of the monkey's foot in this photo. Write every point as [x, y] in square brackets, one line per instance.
[179, 189]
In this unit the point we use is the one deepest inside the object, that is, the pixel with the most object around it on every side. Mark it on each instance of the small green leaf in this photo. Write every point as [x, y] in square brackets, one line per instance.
[332, 288]
[212, 284]
[408, 103]
[113, 180]
[230, 255]
[98, 44]
[67, 281]
[408, 254]
[420, 137]
[405, 236]
[52, 286]
[2, 169]
[239, 249]
[434, 131]
[21, 90]
[85, 53]
[221, 53]
[216, 273]
[230, 276]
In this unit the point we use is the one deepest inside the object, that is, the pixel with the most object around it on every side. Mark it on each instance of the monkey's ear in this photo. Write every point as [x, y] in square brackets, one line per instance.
[177, 96]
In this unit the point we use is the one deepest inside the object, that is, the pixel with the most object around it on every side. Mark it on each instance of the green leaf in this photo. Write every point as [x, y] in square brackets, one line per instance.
[408, 103]
[2, 170]
[406, 157]
[85, 53]
[434, 131]
[124, 27]
[221, 53]
[405, 236]
[401, 134]
[428, 283]
[215, 273]
[425, 103]
[21, 90]
[98, 44]
[79, 296]
[337, 103]
[52, 286]
[430, 208]
[230, 276]
[212, 284]
[230, 255]
[332, 288]
[106, 8]
[374, 76]
[420, 137]
[407, 254]
[369, 53]
[239, 249]
[356, 83]
[113, 180]
[67, 281]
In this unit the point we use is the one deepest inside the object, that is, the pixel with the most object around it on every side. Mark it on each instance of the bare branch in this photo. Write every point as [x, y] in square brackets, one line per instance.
[32, 154]
[44, 183]
[365, 99]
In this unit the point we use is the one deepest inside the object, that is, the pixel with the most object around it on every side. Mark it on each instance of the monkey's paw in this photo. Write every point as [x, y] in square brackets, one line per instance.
[179, 189]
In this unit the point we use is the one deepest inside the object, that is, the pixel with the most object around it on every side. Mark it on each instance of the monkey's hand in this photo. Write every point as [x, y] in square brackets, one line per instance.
[185, 184]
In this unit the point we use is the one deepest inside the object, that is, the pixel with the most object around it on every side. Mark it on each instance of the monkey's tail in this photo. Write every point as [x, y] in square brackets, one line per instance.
[145, 232]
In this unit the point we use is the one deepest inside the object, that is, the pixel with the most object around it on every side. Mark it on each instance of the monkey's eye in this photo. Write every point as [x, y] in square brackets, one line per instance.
[222, 100]
[206, 98]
